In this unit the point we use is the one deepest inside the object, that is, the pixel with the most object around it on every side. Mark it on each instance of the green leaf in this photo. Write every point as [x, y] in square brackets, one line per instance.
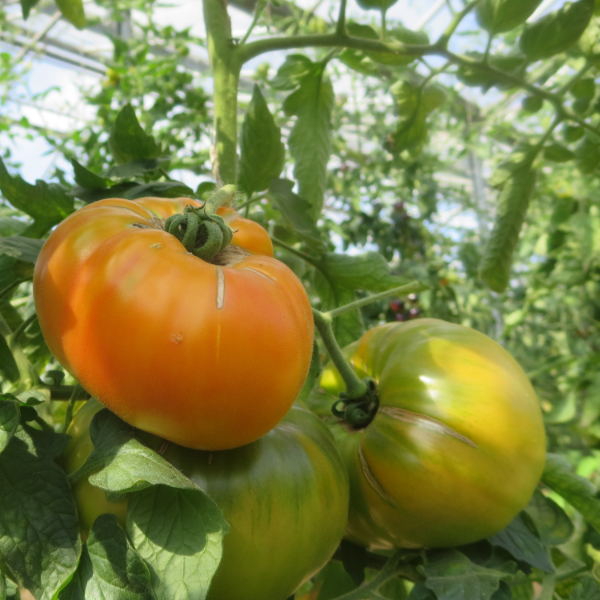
[262, 153]
[294, 209]
[521, 541]
[136, 168]
[381, 5]
[26, 6]
[354, 560]
[558, 153]
[206, 187]
[25, 249]
[8, 364]
[9, 419]
[333, 581]
[128, 141]
[131, 190]
[310, 138]
[532, 104]
[557, 31]
[395, 38]
[126, 465]
[39, 530]
[72, 10]
[584, 88]
[573, 133]
[551, 522]
[586, 589]
[292, 72]
[109, 567]
[369, 271]
[497, 16]
[179, 533]
[587, 155]
[513, 203]
[46, 203]
[86, 179]
[452, 576]
[577, 491]
[421, 592]
[521, 158]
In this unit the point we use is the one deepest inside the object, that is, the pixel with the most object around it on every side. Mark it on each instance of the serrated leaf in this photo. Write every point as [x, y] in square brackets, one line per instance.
[292, 72]
[294, 209]
[86, 179]
[179, 533]
[46, 203]
[557, 31]
[519, 540]
[109, 567]
[262, 153]
[72, 10]
[497, 16]
[9, 419]
[125, 464]
[310, 138]
[577, 491]
[551, 522]
[128, 141]
[135, 168]
[452, 576]
[513, 203]
[25, 249]
[39, 530]
[558, 153]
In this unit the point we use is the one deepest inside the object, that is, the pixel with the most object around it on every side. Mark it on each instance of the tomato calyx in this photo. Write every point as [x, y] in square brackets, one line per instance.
[202, 233]
[357, 413]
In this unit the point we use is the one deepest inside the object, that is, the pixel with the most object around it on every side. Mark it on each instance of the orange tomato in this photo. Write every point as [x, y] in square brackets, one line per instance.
[209, 356]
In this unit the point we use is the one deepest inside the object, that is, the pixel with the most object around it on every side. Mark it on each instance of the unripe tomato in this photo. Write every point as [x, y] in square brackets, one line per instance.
[210, 356]
[285, 497]
[457, 446]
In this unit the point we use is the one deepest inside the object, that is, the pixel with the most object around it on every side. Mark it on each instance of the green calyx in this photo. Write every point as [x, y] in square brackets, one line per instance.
[358, 412]
[202, 233]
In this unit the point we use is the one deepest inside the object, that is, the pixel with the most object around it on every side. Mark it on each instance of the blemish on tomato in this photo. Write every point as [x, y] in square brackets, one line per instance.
[176, 338]
[158, 246]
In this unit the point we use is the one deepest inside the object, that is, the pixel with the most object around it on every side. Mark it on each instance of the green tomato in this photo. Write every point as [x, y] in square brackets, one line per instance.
[285, 497]
[457, 446]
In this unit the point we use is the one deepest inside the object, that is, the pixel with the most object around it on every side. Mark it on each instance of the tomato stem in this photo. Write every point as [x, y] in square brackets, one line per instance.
[355, 387]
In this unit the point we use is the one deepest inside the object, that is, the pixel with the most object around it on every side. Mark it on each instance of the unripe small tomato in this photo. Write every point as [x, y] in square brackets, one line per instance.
[285, 497]
[457, 446]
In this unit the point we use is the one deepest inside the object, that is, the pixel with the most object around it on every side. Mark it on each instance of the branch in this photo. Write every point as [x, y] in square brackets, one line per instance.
[341, 22]
[456, 20]
[331, 40]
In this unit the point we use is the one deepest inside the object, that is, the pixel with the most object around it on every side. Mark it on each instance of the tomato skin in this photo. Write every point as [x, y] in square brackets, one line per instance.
[457, 446]
[285, 497]
[209, 357]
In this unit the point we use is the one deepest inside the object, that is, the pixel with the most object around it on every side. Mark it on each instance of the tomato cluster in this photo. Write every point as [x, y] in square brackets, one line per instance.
[210, 354]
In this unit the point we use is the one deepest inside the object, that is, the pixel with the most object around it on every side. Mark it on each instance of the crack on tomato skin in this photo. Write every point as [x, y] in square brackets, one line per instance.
[372, 480]
[220, 288]
[259, 273]
[420, 420]
[229, 256]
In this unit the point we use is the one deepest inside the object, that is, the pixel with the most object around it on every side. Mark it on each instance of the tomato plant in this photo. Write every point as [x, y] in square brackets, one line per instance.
[168, 341]
[271, 492]
[457, 445]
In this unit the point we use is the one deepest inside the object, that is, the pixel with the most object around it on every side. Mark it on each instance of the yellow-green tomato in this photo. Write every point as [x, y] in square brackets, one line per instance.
[457, 446]
[285, 497]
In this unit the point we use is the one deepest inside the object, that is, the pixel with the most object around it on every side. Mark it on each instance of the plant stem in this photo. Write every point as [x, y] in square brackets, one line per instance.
[22, 327]
[69, 412]
[456, 20]
[226, 73]
[260, 5]
[409, 288]
[9, 288]
[340, 28]
[309, 259]
[355, 387]
[383, 25]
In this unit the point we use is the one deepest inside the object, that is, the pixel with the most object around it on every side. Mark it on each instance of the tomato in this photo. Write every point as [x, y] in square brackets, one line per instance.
[209, 356]
[457, 446]
[285, 497]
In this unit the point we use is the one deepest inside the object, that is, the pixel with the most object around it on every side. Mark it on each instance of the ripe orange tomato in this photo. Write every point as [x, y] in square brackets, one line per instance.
[457, 446]
[210, 356]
